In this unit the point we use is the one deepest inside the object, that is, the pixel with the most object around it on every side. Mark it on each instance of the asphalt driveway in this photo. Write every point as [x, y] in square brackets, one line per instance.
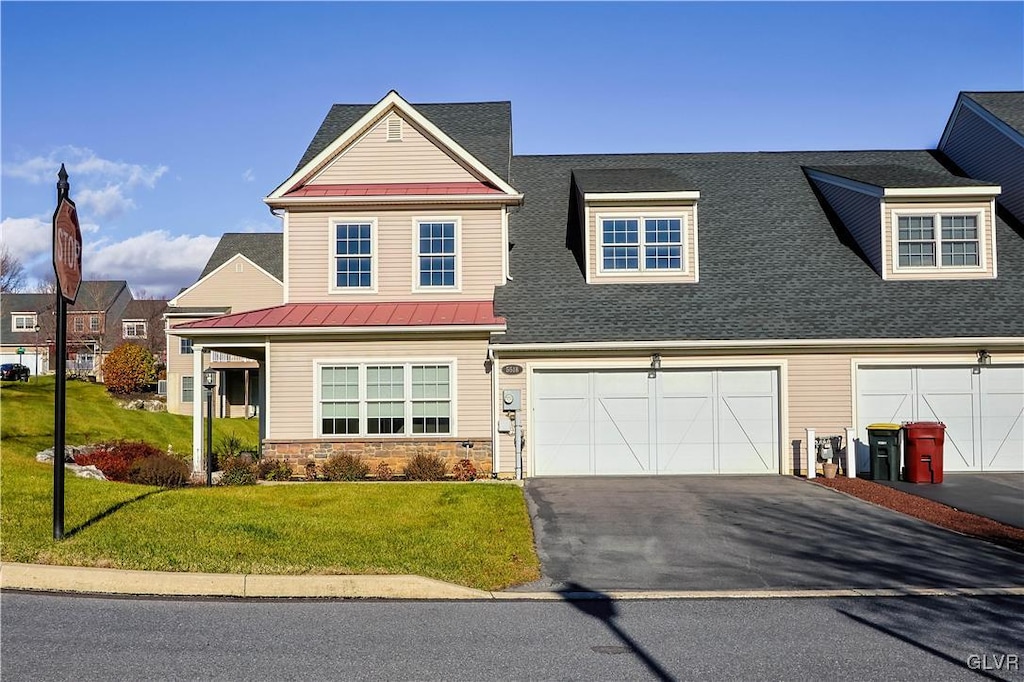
[743, 532]
[997, 495]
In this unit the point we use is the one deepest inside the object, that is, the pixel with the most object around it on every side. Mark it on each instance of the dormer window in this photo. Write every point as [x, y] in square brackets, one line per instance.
[23, 322]
[938, 240]
[660, 242]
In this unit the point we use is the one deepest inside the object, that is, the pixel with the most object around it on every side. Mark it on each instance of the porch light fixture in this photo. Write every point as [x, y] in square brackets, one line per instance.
[655, 365]
[984, 358]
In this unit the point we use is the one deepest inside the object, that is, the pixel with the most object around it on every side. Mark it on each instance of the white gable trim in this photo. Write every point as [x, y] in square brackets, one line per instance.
[174, 301]
[392, 101]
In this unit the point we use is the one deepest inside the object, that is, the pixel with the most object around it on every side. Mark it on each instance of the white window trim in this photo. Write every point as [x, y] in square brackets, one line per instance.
[99, 323]
[192, 389]
[332, 256]
[77, 321]
[416, 287]
[642, 270]
[894, 236]
[181, 341]
[361, 364]
[31, 317]
[134, 325]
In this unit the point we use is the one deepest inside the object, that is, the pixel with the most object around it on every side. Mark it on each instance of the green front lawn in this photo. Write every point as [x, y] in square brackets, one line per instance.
[472, 534]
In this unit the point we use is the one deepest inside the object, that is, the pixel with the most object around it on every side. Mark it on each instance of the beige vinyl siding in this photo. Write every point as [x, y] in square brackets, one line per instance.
[238, 284]
[293, 408]
[988, 154]
[985, 232]
[178, 365]
[859, 213]
[648, 211]
[311, 266]
[373, 159]
[820, 398]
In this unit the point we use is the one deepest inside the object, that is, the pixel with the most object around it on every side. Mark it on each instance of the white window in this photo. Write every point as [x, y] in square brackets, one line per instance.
[186, 389]
[185, 347]
[353, 255]
[94, 323]
[437, 254]
[938, 240]
[23, 322]
[642, 244]
[79, 323]
[134, 330]
[386, 399]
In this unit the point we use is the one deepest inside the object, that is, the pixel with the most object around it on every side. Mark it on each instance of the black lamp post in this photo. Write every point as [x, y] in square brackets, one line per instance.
[35, 375]
[209, 382]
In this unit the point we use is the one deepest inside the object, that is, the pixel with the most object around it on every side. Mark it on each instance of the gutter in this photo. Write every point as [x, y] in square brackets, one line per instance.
[777, 344]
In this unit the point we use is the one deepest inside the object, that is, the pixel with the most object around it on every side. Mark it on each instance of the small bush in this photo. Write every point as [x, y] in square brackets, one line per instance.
[424, 467]
[311, 470]
[115, 459]
[162, 470]
[128, 369]
[344, 467]
[384, 472]
[464, 470]
[238, 471]
[227, 447]
[273, 470]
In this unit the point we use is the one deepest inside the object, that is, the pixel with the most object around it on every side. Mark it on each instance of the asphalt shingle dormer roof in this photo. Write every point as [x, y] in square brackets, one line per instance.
[613, 180]
[891, 175]
[265, 249]
[484, 129]
[1006, 106]
[772, 264]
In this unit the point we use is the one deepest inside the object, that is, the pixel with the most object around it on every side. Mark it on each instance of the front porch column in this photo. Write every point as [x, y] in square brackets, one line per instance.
[197, 409]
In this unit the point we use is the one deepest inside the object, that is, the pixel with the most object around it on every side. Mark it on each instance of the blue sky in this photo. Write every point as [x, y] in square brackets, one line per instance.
[176, 119]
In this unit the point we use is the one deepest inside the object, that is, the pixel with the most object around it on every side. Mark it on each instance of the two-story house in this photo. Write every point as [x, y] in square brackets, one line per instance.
[628, 314]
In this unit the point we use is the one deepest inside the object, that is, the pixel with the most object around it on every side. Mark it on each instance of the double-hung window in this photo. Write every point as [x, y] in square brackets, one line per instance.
[940, 240]
[134, 330]
[79, 324]
[353, 255]
[642, 244]
[94, 323]
[436, 254]
[386, 399]
[185, 347]
[186, 389]
[23, 322]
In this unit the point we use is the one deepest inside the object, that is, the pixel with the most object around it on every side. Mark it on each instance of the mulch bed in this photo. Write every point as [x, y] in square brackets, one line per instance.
[929, 510]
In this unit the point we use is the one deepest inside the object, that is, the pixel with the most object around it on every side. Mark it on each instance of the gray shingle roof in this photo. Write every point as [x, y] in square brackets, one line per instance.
[98, 295]
[899, 176]
[629, 180]
[144, 309]
[265, 249]
[1006, 106]
[484, 129]
[772, 265]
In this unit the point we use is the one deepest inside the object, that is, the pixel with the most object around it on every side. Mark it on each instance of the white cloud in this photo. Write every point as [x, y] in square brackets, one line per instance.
[108, 202]
[156, 261]
[81, 161]
[27, 238]
[248, 175]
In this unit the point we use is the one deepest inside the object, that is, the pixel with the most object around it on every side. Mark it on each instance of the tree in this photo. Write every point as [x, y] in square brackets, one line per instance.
[128, 369]
[12, 272]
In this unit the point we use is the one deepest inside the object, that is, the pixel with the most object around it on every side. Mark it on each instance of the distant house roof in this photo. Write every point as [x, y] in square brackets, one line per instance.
[772, 264]
[145, 309]
[338, 315]
[611, 180]
[891, 175]
[98, 295]
[1006, 106]
[484, 129]
[265, 249]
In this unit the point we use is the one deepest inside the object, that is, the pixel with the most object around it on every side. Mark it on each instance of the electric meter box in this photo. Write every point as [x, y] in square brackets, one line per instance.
[511, 399]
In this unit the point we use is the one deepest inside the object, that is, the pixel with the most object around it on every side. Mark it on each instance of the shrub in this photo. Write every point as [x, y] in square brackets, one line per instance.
[384, 472]
[344, 467]
[227, 447]
[424, 467]
[464, 470]
[311, 470]
[115, 459]
[162, 470]
[273, 470]
[238, 471]
[128, 369]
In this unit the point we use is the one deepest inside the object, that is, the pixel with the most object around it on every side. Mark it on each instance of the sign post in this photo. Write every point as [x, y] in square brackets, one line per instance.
[67, 266]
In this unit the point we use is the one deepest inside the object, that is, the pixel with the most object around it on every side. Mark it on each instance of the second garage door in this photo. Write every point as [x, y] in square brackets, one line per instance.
[677, 422]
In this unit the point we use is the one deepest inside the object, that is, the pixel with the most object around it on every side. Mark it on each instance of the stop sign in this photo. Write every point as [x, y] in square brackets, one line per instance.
[67, 249]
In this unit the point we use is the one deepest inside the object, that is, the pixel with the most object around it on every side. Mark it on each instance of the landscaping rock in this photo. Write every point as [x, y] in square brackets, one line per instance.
[89, 471]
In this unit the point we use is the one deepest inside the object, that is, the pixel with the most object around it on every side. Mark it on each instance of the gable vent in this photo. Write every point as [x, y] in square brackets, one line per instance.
[394, 129]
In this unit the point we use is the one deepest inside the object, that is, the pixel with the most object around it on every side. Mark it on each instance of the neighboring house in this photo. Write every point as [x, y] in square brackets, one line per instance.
[142, 323]
[646, 314]
[93, 326]
[243, 273]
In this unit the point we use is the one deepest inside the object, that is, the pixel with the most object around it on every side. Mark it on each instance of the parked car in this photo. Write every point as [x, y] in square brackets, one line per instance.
[12, 371]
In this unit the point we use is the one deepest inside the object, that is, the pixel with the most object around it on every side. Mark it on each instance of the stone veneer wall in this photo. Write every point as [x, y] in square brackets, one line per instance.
[393, 451]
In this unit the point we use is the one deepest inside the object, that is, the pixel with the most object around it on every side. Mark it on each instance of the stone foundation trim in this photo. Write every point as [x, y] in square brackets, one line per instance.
[395, 452]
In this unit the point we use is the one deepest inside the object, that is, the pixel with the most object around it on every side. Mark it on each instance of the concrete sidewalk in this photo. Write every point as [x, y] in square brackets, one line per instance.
[110, 581]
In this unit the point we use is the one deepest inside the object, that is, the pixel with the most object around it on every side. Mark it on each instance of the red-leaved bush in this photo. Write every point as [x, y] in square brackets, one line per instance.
[115, 459]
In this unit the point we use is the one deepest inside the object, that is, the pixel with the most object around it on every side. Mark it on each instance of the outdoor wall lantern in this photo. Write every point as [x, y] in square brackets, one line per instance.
[984, 358]
[655, 365]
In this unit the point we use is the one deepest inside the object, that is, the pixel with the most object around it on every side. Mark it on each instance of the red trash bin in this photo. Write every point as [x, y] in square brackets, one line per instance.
[922, 453]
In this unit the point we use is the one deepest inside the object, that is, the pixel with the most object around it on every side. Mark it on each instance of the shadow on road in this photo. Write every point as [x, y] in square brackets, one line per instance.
[602, 607]
[107, 512]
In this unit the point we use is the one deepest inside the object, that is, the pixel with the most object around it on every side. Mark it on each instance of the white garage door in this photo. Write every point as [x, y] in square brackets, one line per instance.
[983, 412]
[680, 422]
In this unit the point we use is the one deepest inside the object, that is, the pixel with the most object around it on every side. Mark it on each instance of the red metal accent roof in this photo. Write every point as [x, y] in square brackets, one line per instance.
[392, 189]
[312, 315]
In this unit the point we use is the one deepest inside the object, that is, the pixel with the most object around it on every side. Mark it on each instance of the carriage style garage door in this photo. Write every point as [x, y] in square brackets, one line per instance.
[983, 413]
[680, 422]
